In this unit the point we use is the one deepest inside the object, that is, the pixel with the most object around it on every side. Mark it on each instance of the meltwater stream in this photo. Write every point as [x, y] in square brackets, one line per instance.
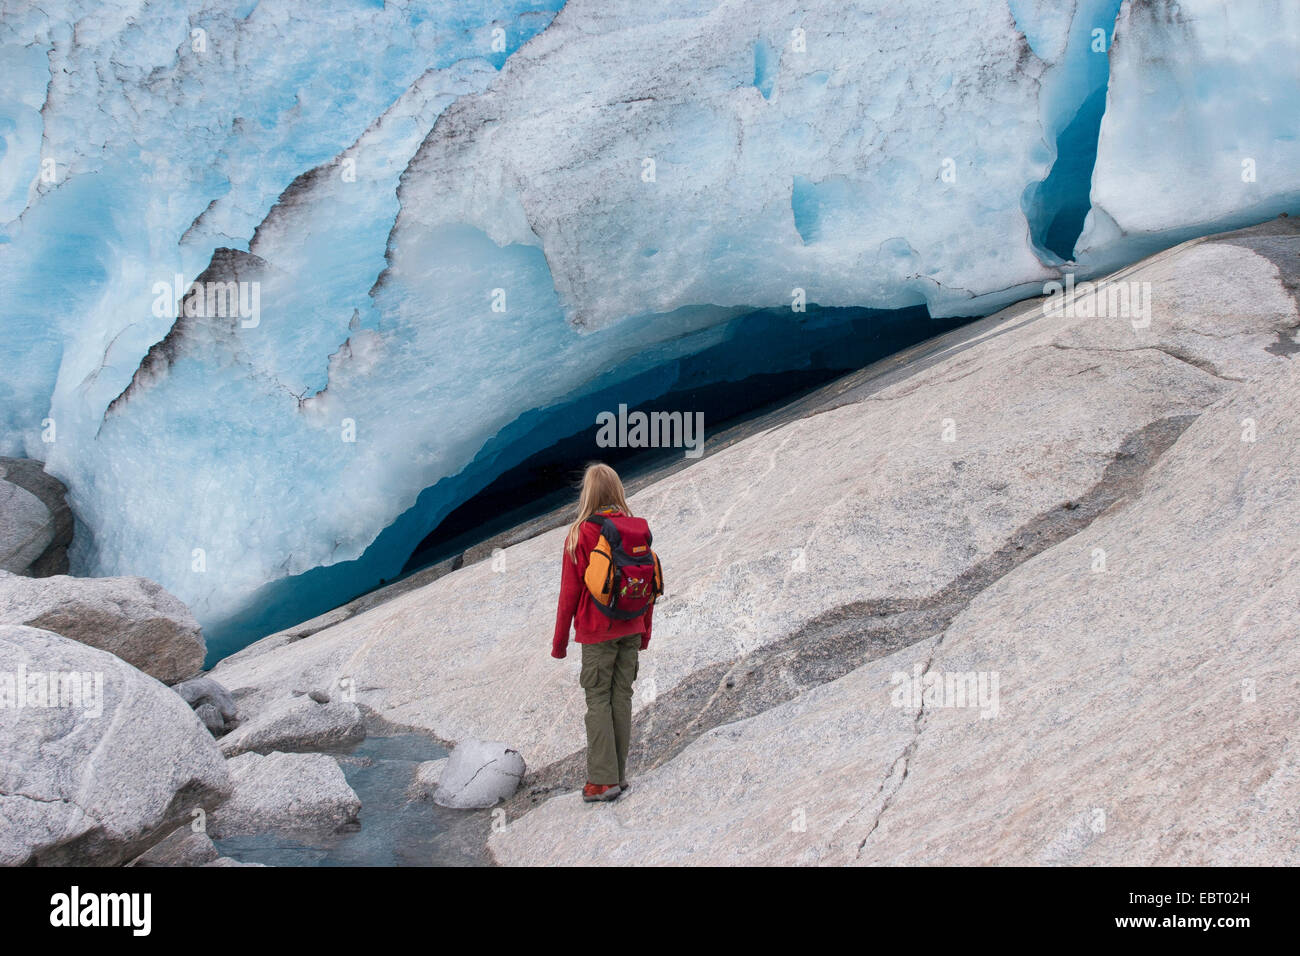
[396, 829]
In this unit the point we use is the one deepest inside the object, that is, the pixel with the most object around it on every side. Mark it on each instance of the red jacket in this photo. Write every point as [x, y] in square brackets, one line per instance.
[578, 609]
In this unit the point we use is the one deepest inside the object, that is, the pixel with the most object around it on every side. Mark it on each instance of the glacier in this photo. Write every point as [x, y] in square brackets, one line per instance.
[1202, 126]
[471, 225]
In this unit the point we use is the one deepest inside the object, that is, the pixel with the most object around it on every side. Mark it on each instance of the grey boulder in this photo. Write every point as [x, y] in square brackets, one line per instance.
[279, 791]
[26, 527]
[132, 617]
[94, 781]
[297, 724]
[479, 773]
[31, 476]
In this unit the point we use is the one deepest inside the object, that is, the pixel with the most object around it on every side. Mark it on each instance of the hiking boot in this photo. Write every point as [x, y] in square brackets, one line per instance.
[624, 786]
[600, 792]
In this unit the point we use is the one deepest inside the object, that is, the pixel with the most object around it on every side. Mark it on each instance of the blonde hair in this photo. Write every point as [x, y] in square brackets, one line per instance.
[601, 488]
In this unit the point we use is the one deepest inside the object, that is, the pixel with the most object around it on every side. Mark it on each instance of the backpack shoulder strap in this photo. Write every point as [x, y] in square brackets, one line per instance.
[608, 529]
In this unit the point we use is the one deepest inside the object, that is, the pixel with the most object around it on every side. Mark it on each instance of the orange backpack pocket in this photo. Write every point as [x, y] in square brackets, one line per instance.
[599, 577]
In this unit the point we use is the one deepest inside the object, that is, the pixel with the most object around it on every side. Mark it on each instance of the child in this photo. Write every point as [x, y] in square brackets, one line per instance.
[610, 647]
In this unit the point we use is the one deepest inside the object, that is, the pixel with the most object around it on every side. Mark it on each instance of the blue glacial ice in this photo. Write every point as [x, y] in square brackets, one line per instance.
[466, 223]
[1202, 126]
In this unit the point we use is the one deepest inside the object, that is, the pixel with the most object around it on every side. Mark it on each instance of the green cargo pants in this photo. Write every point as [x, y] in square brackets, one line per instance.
[608, 670]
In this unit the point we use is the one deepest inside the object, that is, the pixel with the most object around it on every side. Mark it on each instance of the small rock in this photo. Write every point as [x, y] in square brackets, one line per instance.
[297, 724]
[211, 718]
[479, 773]
[204, 690]
[283, 791]
[212, 702]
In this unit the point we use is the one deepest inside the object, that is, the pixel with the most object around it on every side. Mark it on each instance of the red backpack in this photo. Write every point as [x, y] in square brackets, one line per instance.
[623, 574]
